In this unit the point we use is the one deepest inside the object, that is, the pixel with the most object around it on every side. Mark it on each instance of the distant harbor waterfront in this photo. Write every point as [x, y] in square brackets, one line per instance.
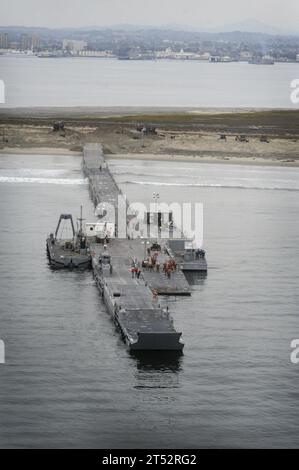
[85, 81]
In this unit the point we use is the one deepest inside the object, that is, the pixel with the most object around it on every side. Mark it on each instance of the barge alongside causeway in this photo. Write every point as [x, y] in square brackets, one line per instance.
[68, 253]
[128, 282]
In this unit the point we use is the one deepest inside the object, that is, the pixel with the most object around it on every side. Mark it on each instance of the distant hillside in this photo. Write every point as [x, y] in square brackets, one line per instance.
[252, 31]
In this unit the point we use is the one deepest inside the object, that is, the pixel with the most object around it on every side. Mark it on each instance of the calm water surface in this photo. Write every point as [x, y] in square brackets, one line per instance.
[68, 378]
[111, 82]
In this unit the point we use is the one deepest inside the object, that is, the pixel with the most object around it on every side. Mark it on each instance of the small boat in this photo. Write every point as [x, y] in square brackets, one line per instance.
[69, 253]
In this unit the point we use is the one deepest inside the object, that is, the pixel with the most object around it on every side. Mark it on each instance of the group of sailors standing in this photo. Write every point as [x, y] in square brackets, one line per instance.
[169, 267]
[151, 263]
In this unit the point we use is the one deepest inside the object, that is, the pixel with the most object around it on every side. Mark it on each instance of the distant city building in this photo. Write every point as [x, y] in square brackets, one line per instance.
[4, 41]
[297, 57]
[182, 55]
[205, 56]
[73, 46]
[29, 42]
[14, 45]
[245, 55]
[88, 53]
[267, 57]
[25, 42]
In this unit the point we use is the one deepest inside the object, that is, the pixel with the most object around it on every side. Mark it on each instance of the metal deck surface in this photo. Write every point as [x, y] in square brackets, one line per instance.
[123, 251]
[145, 321]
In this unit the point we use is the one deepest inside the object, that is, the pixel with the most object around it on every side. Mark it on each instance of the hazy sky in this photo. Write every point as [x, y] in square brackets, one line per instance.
[204, 14]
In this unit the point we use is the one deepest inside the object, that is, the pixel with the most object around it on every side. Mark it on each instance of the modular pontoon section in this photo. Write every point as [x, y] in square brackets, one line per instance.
[132, 301]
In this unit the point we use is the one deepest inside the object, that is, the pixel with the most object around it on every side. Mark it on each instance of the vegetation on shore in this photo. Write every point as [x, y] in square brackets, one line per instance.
[213, 135]
[274, 122]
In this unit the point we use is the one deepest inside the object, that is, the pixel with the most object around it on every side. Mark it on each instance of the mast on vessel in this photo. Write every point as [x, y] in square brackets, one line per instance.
[80, 220]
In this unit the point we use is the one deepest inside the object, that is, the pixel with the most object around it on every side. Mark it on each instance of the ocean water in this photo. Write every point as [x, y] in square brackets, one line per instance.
[69, 381]
[112, 82]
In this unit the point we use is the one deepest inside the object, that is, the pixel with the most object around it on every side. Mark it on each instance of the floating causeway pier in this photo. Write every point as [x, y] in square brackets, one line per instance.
[131, 300]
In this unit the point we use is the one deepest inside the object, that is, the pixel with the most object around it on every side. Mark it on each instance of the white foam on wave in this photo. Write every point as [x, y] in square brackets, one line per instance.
[215, 185]
[18, 179]
[34, 172]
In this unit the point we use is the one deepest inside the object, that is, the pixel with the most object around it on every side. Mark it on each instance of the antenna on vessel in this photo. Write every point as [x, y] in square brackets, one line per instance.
[80, 219]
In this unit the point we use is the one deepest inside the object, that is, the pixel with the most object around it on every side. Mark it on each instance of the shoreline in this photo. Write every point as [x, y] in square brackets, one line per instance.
[272, 121]
[245, 136]
[102, 111]
[38, 151]
[250, 161]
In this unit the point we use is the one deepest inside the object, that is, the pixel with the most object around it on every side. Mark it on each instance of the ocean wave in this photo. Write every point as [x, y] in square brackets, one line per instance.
[153, 175]
[212, 185]
[68, 181]
[34, 172]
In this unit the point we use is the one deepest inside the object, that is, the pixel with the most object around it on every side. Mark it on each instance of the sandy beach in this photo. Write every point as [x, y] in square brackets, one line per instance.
[269, 137]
